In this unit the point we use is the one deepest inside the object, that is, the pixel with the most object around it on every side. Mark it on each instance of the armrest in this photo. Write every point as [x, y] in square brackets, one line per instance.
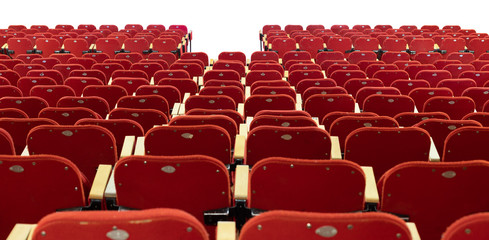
[110, 189]
[239, 147]
[434, 156]
[298, 98]
[128, 146]
[247, 92]
[211, 62]
[241, 109]
[185, 97]
[181, 110]
[241, 182]
[357, 108]
[92, 46]
[226, 230]
[243, 79]
[21, 231]
[335, 148]
[200, 81]
[176, 108]
[139, 150]
[371, 192]
[286, 74]
[152, 81]
[413, 230]
[298, 106]
[25, 152]
[243, 130]
[297, 46]
[5, 46]
[100, 182]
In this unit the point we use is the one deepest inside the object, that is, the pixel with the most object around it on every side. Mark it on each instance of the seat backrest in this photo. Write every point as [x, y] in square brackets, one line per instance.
[291, 224]
[466, 143]
[169, 222]
[473, 224]
[388, 105]
[293, 142]
[282, 121]
[421, 95]
[408, 119]
[30, 105]
[85, 146]
[255, 103]
[52, 182]
[277, 178]
[383, 148]
[145, 102]
[147, 118]
[209, 140]
[52, 93]
[455, 107]
[424, 190]
[319, 105]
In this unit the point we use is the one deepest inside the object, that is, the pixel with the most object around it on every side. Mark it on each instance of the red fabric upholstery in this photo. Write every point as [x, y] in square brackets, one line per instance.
[30, 105]
[466, 143]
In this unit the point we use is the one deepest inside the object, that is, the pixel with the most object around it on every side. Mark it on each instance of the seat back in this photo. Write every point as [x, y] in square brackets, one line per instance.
[51, 182]
[292, 142]
[85, 146]
[383, 148]
[255, 103]
[291, 224]
[30, 105]
[455, 107]
[319, 105]
[278, 178]
[466, 143]
[423, 191]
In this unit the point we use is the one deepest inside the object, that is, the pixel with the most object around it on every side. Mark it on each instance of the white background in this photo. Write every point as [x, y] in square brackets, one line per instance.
[222, 25]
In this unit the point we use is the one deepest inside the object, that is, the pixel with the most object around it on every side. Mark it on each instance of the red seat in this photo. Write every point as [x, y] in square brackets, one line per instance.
[341, 76]
[65, 69]
[96, 104]
[52, 182]
[183, 85]
[405, 86]
[444, 184]
[255, 103]
[111, 93]
[355, 84]
[428, 57]
[365, 92]
[52, 93]
[455, 107]
[223, 121]
[76, 46]
[30, 105]
[367, 226]
[283, 45]
[358, 56]
[466, 143]
[234, 92]
[321, 90]
[291, 142]
[421, 95]
[319, 105]
[480, 77]
[25, 84]
[388, 105]
[54, 74]
[155, 102]
[85, 146]
[90, 73]
[282, 121]
[257, 75]
[389, 76]
[47, 46]
[433, 76]
[12, 113]
[108, 45]
[147, 118]
[130, 84]
[78, 84]
[409, 119]
[458, 86]
[457, 69]
[391, 57]
[170, 93]
[67, 115]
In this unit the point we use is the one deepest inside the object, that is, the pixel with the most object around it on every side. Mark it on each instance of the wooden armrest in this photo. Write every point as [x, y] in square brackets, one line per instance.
[241, 182]
[413, 230]
[280, 61]
[314, 60]
[371, 192]
[25, 152]
[247, 92]
[185, 97]
[92, 46]
[298, 106]
[151, 46]
[152, 81]
[110, 81]
[211, 62]
[316, 119]
[297, 46]
[21, 231]
[139, 150]
[110, 189]
[239, 147]
[324, 73]
[179, 47]
[357, 108]
[63, 46]
[324, 45]
[248, 61]
[434, 156]
[100, 182]
[298, 98]
[286, 74]
[128, 146]
[243, 130]
[243, 79]
[226, 230]
[335, 148]
[436, 46]
[181, 110]
[270, 47]
[241, 109]
[5, 46]
[176, 108]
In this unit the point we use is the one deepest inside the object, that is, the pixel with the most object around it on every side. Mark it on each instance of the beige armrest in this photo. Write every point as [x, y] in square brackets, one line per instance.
[298, 106]
[357, 108]
[297, 46]
[243, 129]
[286, 74]
[415, 110]
[200, 81]
[139, 150]
[226, 230]
[243, 79]
[21, 231]
[239, 147]
[241, 109]
[247, 92]
[185, 97]
[298, 98]
[100, 182]
[270, 48]
[25, 152]
[436, 46]
[196, 79]
[241, 182]
[5, 46]
[179, 47]
[324, 45]
[324, 73]
[110, 81]
[413, 230]
[110, 189]
[248, 61]
[434, 156]
[316, 119]
[176, 108]
[335, 148]
[371, 192]
[280, 61]
[181, 110]
[92, 46]
[128, 146]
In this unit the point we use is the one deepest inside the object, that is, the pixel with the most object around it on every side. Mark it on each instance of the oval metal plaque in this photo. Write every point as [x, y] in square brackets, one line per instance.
[135, 114]
[212, 101]
[326, 231]
[142, 100]
[118, 234]
[449, 174]
[16, 169]
[187, 135]
[168, 169]
[285, 124]
[286, 137]
[367, 125]
[67, 133]
[269, 100]
[65, 114]
[452, 127]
